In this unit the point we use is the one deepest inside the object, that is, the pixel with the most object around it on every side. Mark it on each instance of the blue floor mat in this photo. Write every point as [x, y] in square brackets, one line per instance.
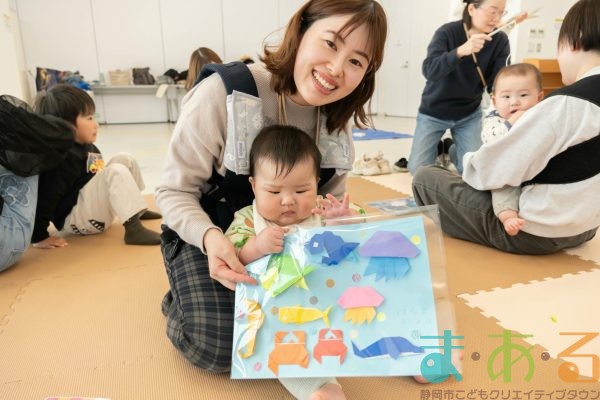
[374, 134]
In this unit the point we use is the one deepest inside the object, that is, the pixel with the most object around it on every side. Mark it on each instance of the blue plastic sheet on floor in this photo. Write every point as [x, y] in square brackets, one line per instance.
[375, 134]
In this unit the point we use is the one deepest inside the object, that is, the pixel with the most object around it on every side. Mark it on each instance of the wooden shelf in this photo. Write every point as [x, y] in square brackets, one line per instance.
[551, 77]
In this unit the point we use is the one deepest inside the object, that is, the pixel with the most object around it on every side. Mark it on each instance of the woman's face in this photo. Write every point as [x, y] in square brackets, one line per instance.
[487, 16]
[330, 65]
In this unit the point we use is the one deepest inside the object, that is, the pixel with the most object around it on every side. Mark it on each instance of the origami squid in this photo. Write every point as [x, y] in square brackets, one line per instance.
[359, 303]
[389, 252]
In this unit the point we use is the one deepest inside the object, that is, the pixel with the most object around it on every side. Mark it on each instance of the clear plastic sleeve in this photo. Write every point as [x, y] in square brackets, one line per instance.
[361, 296]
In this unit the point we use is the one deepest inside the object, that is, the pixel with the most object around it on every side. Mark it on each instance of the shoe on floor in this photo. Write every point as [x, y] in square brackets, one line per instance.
[401, 165]
[365, 166]
[446, 160]
[440, 148]
[383, 164]
[446, 145]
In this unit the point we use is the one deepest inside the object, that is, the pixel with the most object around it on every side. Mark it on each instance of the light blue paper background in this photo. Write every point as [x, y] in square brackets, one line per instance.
[409, 308]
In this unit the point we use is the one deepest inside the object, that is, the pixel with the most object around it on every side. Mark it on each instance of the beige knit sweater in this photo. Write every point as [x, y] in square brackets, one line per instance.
[198, 144]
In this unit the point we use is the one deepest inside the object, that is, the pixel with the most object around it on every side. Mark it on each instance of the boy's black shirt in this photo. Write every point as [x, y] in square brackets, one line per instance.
[59, 188]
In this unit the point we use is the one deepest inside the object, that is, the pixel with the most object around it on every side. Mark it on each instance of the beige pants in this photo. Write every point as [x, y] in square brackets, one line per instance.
[115, 191]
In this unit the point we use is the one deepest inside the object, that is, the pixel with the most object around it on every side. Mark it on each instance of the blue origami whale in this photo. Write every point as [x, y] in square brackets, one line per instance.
[388, 346]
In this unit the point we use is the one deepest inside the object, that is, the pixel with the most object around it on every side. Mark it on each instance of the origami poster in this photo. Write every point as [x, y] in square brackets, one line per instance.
[342, 300]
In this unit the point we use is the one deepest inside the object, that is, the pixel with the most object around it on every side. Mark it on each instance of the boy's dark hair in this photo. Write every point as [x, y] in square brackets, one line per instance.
[281, 60]
[580, 29]
[520, 69]
[285, 146]
[66, 102]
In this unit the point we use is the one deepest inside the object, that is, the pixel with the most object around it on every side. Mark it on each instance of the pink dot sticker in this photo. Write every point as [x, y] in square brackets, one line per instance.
[257, 366]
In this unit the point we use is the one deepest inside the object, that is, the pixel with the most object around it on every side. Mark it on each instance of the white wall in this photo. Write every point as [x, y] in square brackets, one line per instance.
[58, 34]
[95, 36]
[538, 36]
[11, 80]
[187, 25]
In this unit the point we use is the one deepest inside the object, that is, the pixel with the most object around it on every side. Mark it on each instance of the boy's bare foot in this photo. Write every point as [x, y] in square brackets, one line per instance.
[330, 391]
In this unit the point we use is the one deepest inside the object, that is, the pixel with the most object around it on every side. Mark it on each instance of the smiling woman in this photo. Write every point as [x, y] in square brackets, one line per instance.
[321, 74]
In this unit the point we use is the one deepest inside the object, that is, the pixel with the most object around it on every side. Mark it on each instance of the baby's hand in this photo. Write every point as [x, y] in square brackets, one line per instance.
[515, 116]
[330, 207]
[270, 240]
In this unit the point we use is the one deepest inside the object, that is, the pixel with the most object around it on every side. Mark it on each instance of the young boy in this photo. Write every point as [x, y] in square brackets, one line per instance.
[284, 173]
[517, 88]
[82, 195]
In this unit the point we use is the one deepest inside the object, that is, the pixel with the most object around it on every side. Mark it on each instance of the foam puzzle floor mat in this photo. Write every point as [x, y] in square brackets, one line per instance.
[85, 320]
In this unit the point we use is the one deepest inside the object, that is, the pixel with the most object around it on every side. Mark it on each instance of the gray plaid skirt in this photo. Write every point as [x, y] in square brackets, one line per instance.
[199, 309]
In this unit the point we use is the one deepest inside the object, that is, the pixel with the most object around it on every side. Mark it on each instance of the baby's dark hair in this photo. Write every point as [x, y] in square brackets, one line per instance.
[66, 102]
[521, 69]
[285, 146]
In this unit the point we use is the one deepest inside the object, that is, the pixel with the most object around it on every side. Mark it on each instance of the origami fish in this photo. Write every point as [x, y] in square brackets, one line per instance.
[282, 272]
[337, 249]
[301, 315]
[388, 346]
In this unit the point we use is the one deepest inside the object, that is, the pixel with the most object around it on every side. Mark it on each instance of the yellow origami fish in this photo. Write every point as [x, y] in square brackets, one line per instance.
[301, 315]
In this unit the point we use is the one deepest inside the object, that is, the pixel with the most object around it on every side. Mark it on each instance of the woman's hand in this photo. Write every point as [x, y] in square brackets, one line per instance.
[51, 242]
[330, 207]
[473, 45]
[223, 264]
